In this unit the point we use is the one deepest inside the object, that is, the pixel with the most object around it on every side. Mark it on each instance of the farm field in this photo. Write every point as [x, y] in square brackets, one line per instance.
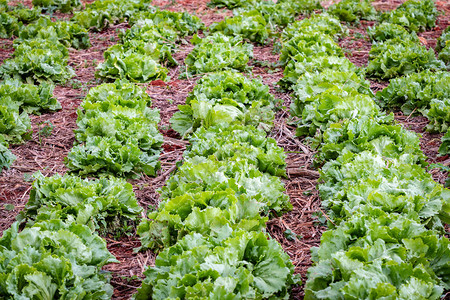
[250, 136]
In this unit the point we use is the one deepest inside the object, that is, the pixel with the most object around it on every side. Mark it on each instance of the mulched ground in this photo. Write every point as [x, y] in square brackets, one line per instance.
[306, 221]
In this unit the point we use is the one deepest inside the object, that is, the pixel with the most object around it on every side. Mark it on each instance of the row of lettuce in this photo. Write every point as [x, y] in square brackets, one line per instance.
[386, 214]
[210, 223]
[424, 85]
[54, 251]
[40, 59]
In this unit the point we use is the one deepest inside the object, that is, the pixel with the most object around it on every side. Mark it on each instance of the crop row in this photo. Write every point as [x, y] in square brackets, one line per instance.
[210, 223]
[386, 214]
[40, 58]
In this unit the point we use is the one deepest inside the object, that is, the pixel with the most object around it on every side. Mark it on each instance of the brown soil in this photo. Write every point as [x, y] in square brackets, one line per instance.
[46, 154]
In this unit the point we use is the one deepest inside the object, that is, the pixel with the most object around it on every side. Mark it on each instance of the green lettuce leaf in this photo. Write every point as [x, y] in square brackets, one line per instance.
[218, 52]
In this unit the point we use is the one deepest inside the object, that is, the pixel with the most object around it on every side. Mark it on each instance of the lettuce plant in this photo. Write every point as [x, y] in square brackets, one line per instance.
[309, 44]
[225, 97]
[138, 62]
[245, 265]
[63, 6]
[210, 213]
[104, 203]
[397, 57]
[69, 34]
[15, 126]
[218, 52]
[353, 10]
[302, 6]
[317, 23]
[209, 174]
[357, 135]
[232, 141]
[99, 14]
[389, 31]
[280, 14]
[25, 14]
[301, 64]
[53, 259]
[28, 97]
[37, 61]
[6, 157]
[230, 3]
[335, 104]
[182, 22]
[248, 25]
[312, 84]
[9, 26]
[444, 149]
[414, 15]
[117, 132]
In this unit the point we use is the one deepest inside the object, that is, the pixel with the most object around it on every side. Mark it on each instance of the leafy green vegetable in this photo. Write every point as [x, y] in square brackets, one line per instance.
[52, 260]
[355, 181]
[444, 54]
[218, 52]
[439, 115]
[246, 265]
[414, 15]
[63, 6]
[444, 149]
[225, 97]
[335, 104]
[317, 23]
[209, 174]
[4, 6]
[138, 62]
[29, 98]
[231, 85]
[424, 92]
[118, 131]
[24, 14]
[230, 3]
[15, 126]
[312, 84]
[353, 10]
[224, 142]
[398, 57]
[37, 61]
[150, 33]
[69, 34]
[301, 64]
[97, 203]
[99, 14]
[6, 157]
[95, 20]
[389, 31]
[9, 26]
[415, 91]
[212, 213]
[309, 44]
[120, 92]
[361, 134]
[382, 256]
[106, 155]
[121, 123]
[248, 25]
[443, 39]
[302, 6]
[280, 14]
[182, 22]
